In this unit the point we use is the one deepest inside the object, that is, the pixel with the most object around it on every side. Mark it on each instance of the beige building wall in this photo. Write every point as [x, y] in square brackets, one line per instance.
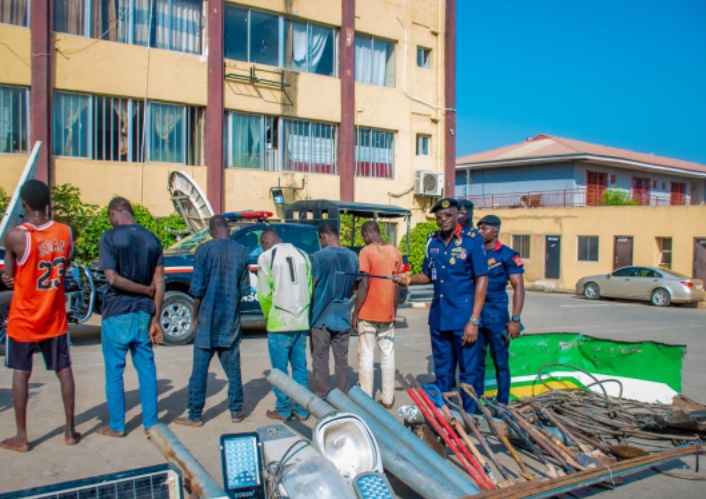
[644, 223]
[413, 106]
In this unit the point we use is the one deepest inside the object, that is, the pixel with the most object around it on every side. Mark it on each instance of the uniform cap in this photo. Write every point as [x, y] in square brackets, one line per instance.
[465, 204]
[490, 220]
[444, 204]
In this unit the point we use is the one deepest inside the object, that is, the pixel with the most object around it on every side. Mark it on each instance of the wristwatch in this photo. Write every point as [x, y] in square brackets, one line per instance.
[475, 322]
[515, 318]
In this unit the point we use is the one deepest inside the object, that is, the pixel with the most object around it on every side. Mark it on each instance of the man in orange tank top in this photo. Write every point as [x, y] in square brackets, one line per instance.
[38, 254]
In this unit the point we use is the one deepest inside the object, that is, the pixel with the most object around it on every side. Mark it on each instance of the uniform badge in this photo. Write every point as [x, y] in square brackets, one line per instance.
[491, 261]
[518, 260]
[452, 261]
[434, 251]
[458, 241]
[445, 204]
[463, 255]
[473, 234]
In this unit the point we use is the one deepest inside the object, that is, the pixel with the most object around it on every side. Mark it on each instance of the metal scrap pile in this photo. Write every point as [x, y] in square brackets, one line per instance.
[575, 438]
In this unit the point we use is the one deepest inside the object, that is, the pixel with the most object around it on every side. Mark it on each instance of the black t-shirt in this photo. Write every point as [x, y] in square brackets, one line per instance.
[134, 253]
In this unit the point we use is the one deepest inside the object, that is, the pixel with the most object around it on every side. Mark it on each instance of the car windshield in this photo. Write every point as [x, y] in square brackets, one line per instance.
[191, 242]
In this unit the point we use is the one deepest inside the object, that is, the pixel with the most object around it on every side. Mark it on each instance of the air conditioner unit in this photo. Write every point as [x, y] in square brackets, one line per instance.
[429, 184]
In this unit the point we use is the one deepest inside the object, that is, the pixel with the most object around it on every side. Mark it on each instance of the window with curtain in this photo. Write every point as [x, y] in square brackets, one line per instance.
[245, 141]
[309, 147]
[71, 125]
[254, 36]
[14, 105]
[374, 61]
[374, 153]
[165, 24]
[14, 12]
[175, 134]
[117, 131]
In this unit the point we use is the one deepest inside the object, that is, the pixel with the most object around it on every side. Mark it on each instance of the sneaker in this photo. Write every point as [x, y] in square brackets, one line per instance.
[186, 421]
[237, 417]
[298, 417]
[275, 415]
[386, 406]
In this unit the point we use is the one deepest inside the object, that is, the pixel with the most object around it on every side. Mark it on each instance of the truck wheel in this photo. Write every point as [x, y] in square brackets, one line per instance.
[5, 299]
[177, 318]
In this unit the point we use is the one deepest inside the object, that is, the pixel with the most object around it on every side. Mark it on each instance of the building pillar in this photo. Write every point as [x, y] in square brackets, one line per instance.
[450, 99]
[346, 73]
[215, 107]
[41, 90]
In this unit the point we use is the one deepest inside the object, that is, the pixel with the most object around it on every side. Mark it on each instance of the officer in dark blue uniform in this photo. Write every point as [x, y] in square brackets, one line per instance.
[465, 214]
[455, 263]
[498, 327]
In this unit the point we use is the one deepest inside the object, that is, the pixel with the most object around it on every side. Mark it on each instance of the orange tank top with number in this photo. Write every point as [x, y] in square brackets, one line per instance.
[38, 309]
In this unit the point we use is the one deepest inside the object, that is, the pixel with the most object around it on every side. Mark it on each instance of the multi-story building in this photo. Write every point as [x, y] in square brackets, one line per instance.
[336, 99]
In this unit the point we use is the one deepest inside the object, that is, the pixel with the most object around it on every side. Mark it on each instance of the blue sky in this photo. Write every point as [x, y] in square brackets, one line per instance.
[626, 73]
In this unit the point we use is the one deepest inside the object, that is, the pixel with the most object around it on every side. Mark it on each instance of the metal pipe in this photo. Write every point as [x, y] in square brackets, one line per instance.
[409, 439]
[407, 466]
[196, 480]
[317, 407]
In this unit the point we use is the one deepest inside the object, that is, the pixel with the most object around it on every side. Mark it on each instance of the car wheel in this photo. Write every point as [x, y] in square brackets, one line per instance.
[177, 318]
[660, 298]
[591, 291]
[5, 299]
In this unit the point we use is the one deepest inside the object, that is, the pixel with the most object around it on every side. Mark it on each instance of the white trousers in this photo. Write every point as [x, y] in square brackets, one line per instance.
[382, 336]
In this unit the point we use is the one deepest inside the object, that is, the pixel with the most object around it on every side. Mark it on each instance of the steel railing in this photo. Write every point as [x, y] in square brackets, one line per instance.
[566, 198]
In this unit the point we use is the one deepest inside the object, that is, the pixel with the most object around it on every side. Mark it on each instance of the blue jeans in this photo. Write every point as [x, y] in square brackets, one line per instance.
[230, 360]
[449, 352]
[286, 348]
[123, 334]
[494, 336]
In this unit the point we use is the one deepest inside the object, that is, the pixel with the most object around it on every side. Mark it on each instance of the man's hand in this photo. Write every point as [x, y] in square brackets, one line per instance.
[402, 279]
[513, 330]
[155, 332]
[470, 333]
[9, 281]
[153, 289]
[354, 322]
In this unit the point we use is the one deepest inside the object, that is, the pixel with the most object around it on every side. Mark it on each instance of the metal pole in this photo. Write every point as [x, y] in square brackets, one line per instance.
[407, 438]
[197, 481]
[407, 466]
[317, 407]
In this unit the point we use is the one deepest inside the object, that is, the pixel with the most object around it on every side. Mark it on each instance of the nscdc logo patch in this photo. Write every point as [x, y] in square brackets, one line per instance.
[445, 204]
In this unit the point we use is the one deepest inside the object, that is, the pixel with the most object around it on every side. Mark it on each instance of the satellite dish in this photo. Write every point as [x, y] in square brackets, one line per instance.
[15, 214]
[189, 201]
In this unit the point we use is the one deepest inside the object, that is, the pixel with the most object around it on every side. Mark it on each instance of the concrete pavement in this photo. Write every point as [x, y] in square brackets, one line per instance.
[52, 461]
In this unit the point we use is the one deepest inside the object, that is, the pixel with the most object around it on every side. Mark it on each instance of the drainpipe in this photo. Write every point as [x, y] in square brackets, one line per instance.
[450, 99]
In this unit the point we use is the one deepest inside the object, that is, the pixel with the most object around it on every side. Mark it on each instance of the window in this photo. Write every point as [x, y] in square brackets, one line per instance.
[677, 195]
[175, 134]
[641, 191]
[309, 147]
[262, 38]
[423, 145]
[625, 272]
[165, 24]
[112, 129]
[664, 245]
[14, 12]
[588, 248]
[253, 141]
[374, 153]
[14, 106]
[374, 61]
[521, 244]
[423, 58]
[71, 127]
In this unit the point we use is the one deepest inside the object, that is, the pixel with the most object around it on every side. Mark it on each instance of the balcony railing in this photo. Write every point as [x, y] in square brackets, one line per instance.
[564, 198]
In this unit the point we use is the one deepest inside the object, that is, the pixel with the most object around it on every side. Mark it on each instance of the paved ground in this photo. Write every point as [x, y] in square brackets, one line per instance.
[51, 461]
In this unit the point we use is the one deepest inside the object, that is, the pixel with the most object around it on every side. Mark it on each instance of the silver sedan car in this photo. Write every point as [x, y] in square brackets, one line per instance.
[660, 287]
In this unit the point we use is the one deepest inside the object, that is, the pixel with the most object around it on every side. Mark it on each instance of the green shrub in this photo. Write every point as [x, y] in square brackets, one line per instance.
[4, 200]
[168, 229]
[417, 244]
[616, 197]
[346, 226]
[68, 208]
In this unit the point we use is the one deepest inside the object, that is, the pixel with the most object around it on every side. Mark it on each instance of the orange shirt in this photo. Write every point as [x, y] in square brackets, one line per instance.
[38, 309]
[380, 259]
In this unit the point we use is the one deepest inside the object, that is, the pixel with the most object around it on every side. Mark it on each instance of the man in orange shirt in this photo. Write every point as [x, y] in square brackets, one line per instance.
[375, 311]
[38, 254]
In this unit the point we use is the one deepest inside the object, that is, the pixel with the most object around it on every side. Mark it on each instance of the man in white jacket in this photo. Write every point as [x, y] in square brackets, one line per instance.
[284, 286]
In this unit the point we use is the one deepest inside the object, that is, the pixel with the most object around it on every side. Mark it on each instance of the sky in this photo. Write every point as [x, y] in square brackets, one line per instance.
[622, 73]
